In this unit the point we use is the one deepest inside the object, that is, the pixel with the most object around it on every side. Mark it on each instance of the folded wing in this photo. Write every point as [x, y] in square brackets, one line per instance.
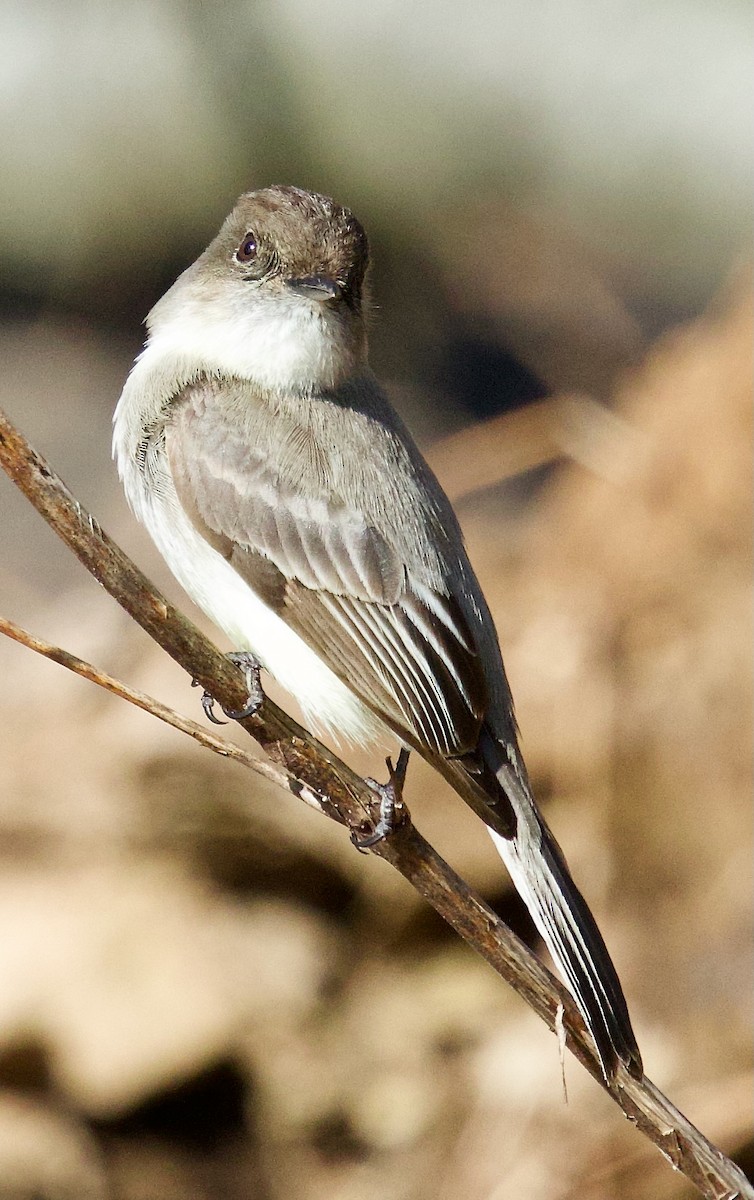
[311, 556]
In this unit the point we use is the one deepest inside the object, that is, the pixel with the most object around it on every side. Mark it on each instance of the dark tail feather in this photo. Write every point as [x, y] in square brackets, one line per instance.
[541, 877]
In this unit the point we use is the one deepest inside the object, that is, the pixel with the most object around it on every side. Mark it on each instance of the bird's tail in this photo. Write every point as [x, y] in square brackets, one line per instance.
[541, 877]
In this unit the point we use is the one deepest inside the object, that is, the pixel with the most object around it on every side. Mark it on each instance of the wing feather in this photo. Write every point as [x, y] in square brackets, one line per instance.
[403, 647]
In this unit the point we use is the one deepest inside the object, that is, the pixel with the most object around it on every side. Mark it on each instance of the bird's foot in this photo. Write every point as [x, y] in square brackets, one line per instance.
[391, 808]
[251, 668]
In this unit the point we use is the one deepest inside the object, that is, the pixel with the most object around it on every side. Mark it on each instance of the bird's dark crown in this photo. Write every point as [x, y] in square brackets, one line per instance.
[299, 234]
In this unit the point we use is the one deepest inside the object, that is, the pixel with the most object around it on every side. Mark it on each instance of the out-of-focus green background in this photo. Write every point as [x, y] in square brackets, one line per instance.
[206, 994]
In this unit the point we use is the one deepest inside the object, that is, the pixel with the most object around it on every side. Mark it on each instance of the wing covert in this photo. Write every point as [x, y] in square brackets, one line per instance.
[406, 651]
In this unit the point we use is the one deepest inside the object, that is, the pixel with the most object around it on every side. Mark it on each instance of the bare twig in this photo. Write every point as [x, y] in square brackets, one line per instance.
[268, 770]
[347, 798]
[489, 452]
[564, 426]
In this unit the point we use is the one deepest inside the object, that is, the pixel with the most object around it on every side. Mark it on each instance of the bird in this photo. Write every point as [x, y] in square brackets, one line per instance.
[292, 504]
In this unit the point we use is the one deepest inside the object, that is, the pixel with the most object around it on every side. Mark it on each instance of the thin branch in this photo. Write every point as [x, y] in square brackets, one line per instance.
[268, 770]
[488, 452]
[569, 425]
[347, 798]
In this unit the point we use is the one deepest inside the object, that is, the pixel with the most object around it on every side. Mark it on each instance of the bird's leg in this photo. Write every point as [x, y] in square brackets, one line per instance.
[251, 668]
[391, 803]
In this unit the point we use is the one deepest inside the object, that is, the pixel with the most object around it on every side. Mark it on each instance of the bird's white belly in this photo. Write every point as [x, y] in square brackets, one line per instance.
[327, 704]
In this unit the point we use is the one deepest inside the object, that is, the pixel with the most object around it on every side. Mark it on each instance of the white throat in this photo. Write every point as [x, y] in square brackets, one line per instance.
[279, 341]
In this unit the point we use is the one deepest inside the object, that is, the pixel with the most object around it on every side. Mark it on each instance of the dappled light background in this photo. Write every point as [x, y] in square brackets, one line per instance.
[206, 993]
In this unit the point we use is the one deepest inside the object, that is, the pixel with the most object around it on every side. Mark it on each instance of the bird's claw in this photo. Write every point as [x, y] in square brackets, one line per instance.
[251, 668]
[391, 811]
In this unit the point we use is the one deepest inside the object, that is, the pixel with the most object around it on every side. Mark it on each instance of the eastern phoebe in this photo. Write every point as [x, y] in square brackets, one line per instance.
[291, 503]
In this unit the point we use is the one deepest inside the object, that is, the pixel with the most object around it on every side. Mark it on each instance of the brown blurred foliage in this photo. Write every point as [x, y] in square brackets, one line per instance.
[208, 995]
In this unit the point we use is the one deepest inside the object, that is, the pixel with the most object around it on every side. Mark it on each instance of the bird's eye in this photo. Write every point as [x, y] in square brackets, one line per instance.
[247, 250]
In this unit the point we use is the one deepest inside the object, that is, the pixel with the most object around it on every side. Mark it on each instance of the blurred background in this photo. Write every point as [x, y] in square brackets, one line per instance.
[207, 994]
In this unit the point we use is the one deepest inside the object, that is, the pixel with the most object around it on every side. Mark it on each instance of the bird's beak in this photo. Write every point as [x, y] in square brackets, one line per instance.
[315, 287]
